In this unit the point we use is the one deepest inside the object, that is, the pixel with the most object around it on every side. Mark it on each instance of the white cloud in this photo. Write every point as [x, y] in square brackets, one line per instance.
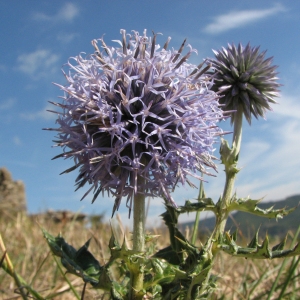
[66, 37]
[66, 13]
[38, 64]
[255, 149]
[288, 106]
[7, 104]
[238, 18]
[42, 114]
[274, 172]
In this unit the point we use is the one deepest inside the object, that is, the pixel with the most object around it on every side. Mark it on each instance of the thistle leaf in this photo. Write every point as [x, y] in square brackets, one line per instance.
[255, 250]
[281, 245]
[263, 250]
[250, 206]
[78, 262]
[162, 272]
[254, 241]
[202, 204]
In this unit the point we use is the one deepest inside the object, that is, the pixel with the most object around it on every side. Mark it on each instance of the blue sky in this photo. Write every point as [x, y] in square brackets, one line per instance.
[38, 37]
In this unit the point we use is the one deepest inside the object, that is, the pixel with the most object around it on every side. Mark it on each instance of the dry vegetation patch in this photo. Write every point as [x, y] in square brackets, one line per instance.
[238, 278]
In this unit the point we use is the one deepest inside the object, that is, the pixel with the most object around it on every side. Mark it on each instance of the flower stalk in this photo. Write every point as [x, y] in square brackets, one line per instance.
[237, 132]
[247, 84]
[137, 276]
[229, 158]
[197, 218]
[139, 223]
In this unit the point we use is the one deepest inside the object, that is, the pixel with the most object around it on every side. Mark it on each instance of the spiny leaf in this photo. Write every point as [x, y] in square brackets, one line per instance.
[104, 281]
[171, 219]
[202, 204]
[231, 243]
[194, 263]
[161, 272]
[58, 245]
[126, 255]
[250, 206]
[287, 253]
[81, 263]
[281, 245]
[234, 235]
[197, 281]
[263, 250]
[254, 241]
[255, 250]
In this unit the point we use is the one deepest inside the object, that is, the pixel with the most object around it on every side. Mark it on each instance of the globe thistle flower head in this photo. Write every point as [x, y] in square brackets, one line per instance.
[137, 118]
[244, 77]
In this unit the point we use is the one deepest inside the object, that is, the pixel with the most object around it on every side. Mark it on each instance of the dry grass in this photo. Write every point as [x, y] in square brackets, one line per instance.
[30, 255]
[33, 261]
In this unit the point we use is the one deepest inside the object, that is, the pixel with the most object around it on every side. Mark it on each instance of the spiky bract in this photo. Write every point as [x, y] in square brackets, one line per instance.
[245, 78]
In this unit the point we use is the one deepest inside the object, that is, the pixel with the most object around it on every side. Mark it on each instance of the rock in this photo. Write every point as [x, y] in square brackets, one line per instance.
[12, 196]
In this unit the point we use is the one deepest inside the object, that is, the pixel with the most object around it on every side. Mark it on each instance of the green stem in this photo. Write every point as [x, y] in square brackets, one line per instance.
[196, 223]
[229, 159]
[137, 276]
[139, 223]
[231, 170]
[237, 130]
[9, 268]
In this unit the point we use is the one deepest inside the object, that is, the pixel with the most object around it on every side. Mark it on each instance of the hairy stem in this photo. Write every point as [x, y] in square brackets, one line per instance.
[137, 276]
[139, 223]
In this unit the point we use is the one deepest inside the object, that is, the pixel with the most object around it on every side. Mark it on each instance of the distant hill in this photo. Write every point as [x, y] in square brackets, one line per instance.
[248, 224]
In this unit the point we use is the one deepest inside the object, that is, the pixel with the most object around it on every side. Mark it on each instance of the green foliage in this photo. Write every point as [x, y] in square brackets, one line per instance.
[78, 262]
[250, 206]
[247, 223]
[229, 157]
[82, 263]
[176, 272]
[255, 250]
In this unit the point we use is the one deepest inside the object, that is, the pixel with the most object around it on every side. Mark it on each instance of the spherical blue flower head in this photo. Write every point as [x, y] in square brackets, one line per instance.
[137, 119]
[244, 77]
